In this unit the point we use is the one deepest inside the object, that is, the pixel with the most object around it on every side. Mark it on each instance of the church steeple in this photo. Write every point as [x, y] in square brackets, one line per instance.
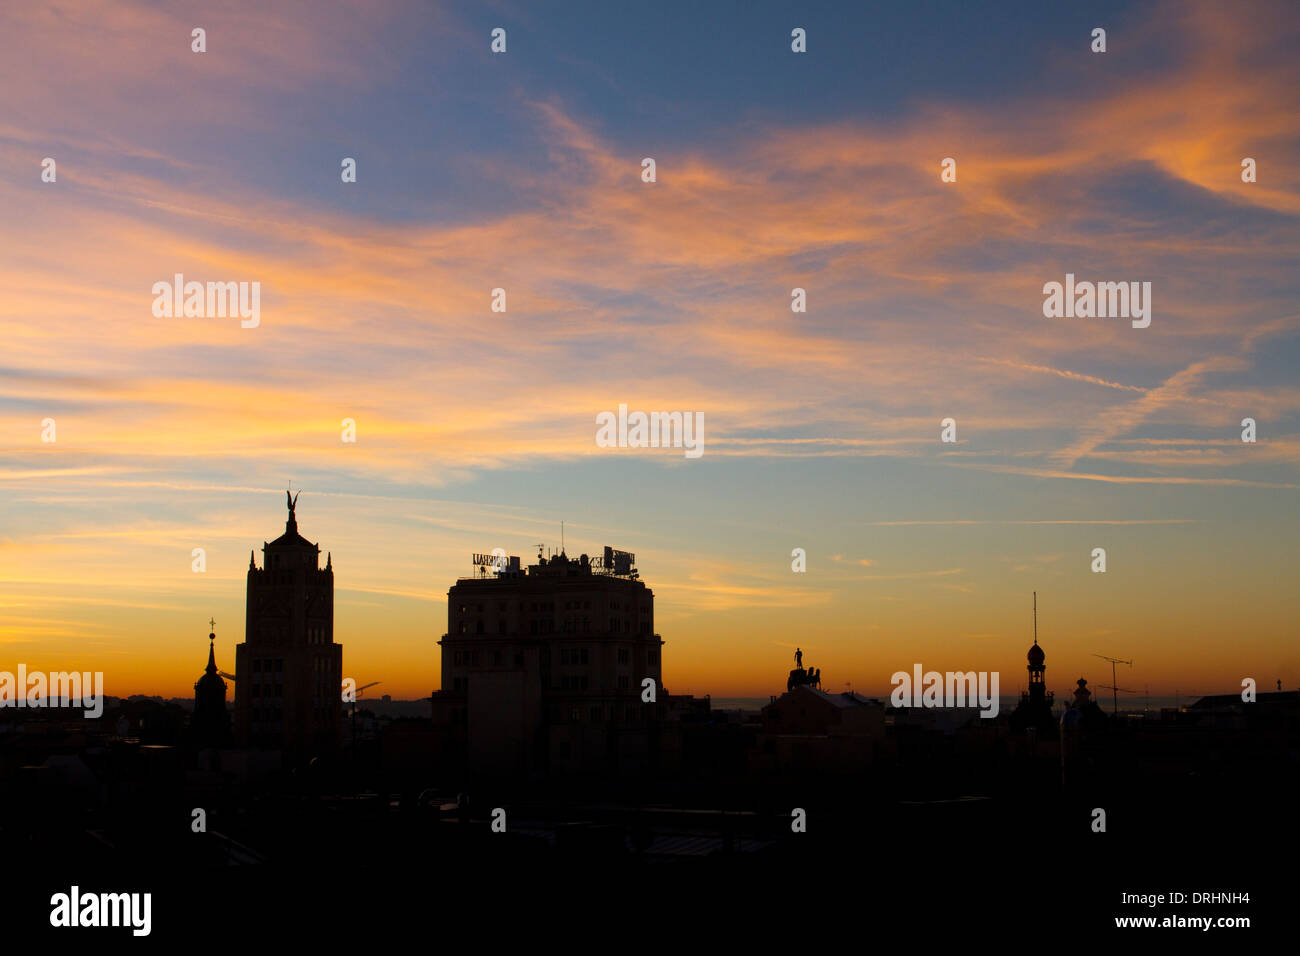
[210, 725]
[210, 671]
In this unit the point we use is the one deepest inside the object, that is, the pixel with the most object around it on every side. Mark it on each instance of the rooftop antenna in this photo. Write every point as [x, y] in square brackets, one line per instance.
[541, 545]
[561, 537]
[1111, 687]
[1035, 617]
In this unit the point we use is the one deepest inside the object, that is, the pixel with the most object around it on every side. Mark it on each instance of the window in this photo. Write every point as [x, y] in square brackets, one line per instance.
[652, 656]
[623, 655]
[623, 683]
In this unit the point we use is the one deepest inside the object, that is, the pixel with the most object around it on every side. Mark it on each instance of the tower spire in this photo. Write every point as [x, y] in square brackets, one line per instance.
[1035, 617]
[212, 658]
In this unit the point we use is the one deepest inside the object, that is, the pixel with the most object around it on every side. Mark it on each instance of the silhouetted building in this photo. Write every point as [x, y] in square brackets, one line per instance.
[289, 670]
[1035, 707]
[210, 722]
[543, 667]
[1084, 711]
[1276, 709]
[808, 729]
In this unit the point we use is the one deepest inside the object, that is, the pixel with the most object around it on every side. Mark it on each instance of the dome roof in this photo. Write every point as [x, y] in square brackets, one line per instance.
[1036, 655]
[210, 683]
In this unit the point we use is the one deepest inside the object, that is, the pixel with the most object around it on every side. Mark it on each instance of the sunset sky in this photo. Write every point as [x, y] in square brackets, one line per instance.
[775, 170]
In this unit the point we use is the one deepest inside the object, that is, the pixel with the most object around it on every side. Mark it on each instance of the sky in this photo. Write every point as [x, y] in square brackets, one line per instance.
[775, 170]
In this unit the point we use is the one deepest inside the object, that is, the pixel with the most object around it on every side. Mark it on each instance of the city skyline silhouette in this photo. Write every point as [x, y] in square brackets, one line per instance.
[832, 453]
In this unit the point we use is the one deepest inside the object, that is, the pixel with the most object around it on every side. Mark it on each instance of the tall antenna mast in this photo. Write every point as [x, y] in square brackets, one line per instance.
[1035, 617]
[1113, 688]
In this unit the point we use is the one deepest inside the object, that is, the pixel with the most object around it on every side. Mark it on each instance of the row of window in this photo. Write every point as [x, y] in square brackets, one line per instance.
[288, 578]
[631, 713]
[580, 682]
[570, 625]
[550, 606]
[566, 682]
[569, 657]
[543, 606]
